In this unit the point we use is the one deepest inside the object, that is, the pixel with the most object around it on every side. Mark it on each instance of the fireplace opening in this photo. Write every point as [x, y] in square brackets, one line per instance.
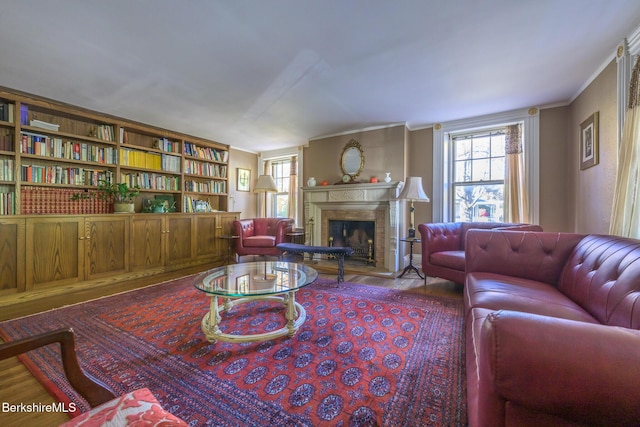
[358, 235]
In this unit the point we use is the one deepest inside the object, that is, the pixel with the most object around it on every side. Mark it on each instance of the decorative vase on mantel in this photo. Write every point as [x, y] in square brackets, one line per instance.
[311, 182]
[387, 177]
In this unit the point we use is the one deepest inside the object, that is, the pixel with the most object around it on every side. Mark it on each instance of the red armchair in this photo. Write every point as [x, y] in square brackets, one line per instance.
[260, 236]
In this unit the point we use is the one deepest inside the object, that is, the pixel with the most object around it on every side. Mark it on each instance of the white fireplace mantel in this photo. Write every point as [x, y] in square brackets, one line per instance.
[357, 197]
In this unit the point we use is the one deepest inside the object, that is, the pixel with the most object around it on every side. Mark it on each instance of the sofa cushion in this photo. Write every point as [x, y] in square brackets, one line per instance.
[497, 292]
[449, 259]
[137, 408]
[603, 276]
[260, 241]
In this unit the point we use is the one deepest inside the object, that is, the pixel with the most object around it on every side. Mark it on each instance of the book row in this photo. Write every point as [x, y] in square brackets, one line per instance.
[195, 167]
[6, 142]
[207, 153]
[142, 159]
[164, 144]
[8, 203]
[6, 111]
[195, 205]
[151, 181]
[56, 174]
[6, 169]
[217, 187]
[48, 200]
[41, 145]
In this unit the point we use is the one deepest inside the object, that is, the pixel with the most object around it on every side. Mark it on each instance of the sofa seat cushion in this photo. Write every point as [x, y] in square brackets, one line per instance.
[497, 292]
[260, 241]
[448, 259]
[140, 407]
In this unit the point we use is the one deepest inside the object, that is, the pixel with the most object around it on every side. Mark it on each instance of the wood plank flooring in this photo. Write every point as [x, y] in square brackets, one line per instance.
[17, 385]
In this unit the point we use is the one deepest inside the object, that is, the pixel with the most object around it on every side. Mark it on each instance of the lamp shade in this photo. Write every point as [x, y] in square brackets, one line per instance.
[265, 184]
[413, 191]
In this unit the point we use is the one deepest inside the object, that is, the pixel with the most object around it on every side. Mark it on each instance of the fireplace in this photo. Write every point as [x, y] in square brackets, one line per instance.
[358, 235]
[361, 212]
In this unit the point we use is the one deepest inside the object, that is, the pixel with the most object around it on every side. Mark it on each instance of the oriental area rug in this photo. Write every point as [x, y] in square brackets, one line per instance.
[365, 356]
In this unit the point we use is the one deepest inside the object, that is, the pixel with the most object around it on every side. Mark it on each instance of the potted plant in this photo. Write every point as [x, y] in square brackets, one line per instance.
[120, 195]
[158, 206]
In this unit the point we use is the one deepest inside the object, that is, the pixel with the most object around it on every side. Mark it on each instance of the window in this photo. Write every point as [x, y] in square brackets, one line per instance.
[281, 173]
[478, 169]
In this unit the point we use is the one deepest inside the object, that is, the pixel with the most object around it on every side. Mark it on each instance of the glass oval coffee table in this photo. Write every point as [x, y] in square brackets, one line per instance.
[240, 283]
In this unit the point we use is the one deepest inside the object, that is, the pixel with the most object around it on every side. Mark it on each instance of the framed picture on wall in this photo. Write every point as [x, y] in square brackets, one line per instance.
[589, 142]
[243, 177]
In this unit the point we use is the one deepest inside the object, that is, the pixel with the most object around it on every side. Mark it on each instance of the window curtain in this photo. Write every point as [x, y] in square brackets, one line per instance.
[293, 187]
[516, 197]
[625, 216]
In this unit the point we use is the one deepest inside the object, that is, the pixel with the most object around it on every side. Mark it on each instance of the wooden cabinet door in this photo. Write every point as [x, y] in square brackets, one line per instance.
[106, 242]
[12, 233]
[147, 242]
[179, 239]
[206, 236]
[54, 255]
[224, 227]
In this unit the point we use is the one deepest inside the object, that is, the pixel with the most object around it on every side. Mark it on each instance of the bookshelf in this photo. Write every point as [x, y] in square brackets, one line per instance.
[49, 149]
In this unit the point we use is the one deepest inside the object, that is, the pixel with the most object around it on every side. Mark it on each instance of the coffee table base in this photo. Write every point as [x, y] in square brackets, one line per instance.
[294, 313]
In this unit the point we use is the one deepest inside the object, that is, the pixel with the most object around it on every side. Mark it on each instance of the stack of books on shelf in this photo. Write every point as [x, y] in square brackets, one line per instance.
[163, 144]
[142, 159]
[46, 200]
[216, 187]
[195, 167]
[205, 152]
[195, 205]
[55, 174]
[6, 111]
[6, 142]
[42, 145]
[8, 203]
[106, 133]
[151, 181]
[6, 169]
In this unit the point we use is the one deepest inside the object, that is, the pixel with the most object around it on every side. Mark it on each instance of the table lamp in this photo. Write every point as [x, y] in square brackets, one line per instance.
[265, 184]
[413, 191]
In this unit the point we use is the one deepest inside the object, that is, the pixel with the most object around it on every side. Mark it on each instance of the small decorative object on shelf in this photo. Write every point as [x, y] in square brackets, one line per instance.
[387, 177]
[373, 180]
[311, 182]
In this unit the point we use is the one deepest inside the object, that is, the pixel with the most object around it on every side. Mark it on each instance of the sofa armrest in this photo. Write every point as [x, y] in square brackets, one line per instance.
[579, 371]
[539, 256]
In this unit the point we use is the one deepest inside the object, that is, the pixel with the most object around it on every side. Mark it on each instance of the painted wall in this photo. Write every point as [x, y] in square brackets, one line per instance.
[420, 163]
[554, 171]
[383, 152]
[242, 201]
[591, 195]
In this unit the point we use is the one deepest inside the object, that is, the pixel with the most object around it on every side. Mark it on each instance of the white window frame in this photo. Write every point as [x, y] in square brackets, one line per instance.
[442, 171]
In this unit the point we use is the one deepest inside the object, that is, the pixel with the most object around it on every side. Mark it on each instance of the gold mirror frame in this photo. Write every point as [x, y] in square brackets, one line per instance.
[352, 159]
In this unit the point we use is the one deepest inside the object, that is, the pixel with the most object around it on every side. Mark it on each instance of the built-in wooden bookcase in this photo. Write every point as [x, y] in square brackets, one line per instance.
[47, 147]
[205, 174]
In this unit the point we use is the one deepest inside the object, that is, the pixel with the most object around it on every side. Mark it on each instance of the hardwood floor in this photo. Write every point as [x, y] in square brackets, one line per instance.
[17, 385]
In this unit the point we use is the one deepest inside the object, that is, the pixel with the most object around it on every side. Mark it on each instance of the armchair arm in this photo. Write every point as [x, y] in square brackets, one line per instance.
[530, 255]
[283, 227]
[94, 391]
[579, 371]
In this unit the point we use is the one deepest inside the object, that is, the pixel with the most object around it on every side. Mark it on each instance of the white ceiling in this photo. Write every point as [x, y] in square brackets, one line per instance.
[267, 74]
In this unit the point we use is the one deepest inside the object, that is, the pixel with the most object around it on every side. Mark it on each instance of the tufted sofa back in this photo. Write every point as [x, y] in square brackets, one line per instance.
[603, 276]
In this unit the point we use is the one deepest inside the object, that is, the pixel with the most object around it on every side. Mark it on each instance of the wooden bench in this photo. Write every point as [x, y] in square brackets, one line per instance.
[338, 251]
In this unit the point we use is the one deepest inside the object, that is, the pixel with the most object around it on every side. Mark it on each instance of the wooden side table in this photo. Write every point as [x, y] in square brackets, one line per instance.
[411, 267]
[231, 246]
[296, 237]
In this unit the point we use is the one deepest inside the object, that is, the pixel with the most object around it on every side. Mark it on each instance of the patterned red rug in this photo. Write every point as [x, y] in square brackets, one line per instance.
[365, 356]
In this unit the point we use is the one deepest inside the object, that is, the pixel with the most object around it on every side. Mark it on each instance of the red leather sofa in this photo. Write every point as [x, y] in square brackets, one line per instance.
[259, 236]
[551, 332]
[443, 246]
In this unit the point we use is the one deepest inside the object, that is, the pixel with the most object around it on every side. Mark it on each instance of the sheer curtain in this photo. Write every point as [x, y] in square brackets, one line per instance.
[516, 197]
[625, 216]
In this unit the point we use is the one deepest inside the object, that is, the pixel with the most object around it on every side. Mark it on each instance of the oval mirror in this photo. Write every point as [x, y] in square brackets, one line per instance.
[352, 161]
